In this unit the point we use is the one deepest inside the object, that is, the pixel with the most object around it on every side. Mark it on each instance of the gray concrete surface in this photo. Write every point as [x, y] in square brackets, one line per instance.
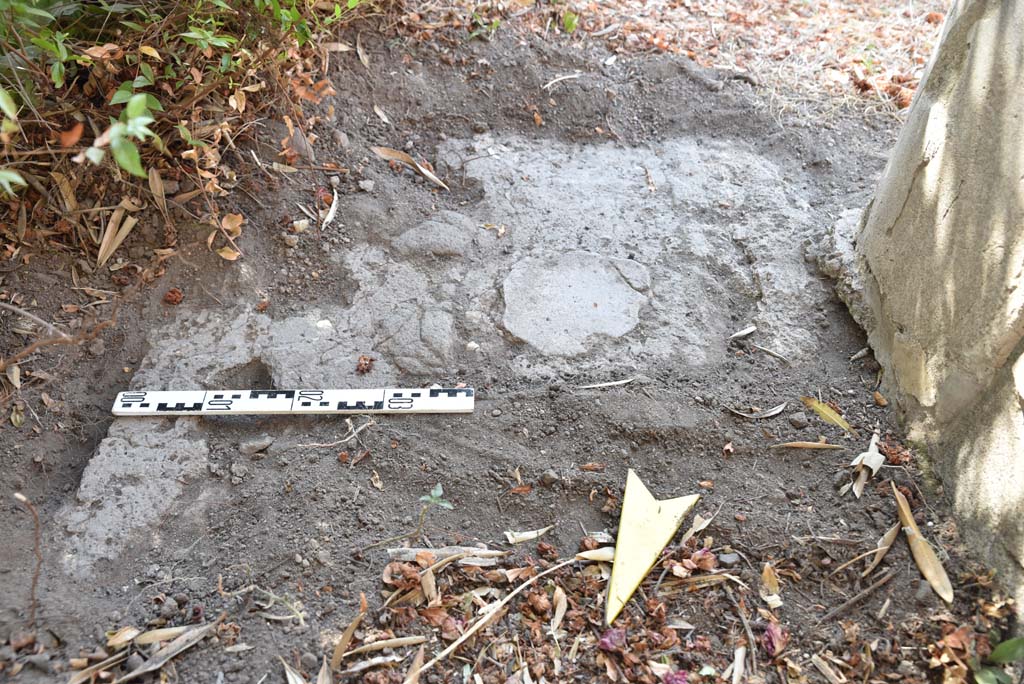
[132, 481]
[612, 260]
[558, 303]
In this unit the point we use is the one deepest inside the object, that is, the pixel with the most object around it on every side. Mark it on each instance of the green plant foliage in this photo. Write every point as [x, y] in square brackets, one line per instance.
[569, 21]
[436, 498]
[9, 179]
[1009, 651]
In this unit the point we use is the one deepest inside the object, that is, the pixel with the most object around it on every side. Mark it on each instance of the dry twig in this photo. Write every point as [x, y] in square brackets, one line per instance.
[39, 556]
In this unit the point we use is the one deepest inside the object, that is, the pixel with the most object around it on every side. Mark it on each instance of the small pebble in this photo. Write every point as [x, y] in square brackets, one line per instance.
[168, 610]
[181, 599]
[472, 346]
[728, 560]
[290, 240]
[366, 185]
[134, 662]
[97, 347]
[340, 138]
[549, 477]
[799, 420]
[309, 661]
[496, 412]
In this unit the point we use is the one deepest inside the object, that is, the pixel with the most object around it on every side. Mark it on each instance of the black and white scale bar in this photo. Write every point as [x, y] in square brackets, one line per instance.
[262, 402]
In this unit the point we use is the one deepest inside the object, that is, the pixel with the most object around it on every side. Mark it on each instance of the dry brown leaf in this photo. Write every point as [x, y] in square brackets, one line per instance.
[228, 253]
[70, 137]
[232, 225]
[381, 115]
[376, 481]
[604, 554]
[118, 228]
[806, 445]
[770, 586]
[927, 562]
[13, 373]
[122, 637]
[826, 671]
[397, 642]
[361, 52]
[521, 490]
[161, 657]
[413, 675]
[520, 537]
[345, 639]
[884, 544]
[90, 673]
[155, 635]
[337, 47]
[398, 156]
[291, 675]
[324, 676]
[561, 604]
[774, 411]
[699, 523]
[429, 585]
[156, 186]
[827, 413]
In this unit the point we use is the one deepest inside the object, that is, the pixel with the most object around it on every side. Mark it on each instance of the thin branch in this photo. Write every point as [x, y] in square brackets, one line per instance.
[39, 556]
[32, 317]
[858, 598]
[352, 434]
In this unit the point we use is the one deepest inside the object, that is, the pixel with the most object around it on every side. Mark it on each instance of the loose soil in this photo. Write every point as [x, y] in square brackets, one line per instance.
[647, 160]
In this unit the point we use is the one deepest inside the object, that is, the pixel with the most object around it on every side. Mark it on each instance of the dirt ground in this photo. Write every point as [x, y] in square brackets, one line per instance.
[699, 214]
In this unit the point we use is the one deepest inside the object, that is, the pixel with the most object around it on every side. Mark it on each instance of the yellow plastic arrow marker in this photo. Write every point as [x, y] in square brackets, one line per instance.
[646, 526]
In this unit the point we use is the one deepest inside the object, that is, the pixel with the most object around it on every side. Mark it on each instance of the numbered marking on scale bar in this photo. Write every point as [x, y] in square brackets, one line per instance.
[325, 401]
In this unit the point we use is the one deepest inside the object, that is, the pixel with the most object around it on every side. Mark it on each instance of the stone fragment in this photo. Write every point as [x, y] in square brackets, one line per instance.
[255, 445]
[799, 420]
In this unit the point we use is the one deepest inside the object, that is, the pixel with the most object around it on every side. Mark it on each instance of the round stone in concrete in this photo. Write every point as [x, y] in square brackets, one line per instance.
[556, 303]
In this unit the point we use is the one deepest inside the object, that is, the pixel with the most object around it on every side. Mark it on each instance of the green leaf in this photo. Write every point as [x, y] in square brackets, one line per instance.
[95, 155]
[57, 74]
[126, 154]
[7, 105]
[37, 12]
[137, 106]
[8, 179]
[992, 675]
[1009, 651]
[438, 491]
[153, 103]
[446, 504]
[569, 21]
[122, 94]
[147, 71]
[352, 4]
